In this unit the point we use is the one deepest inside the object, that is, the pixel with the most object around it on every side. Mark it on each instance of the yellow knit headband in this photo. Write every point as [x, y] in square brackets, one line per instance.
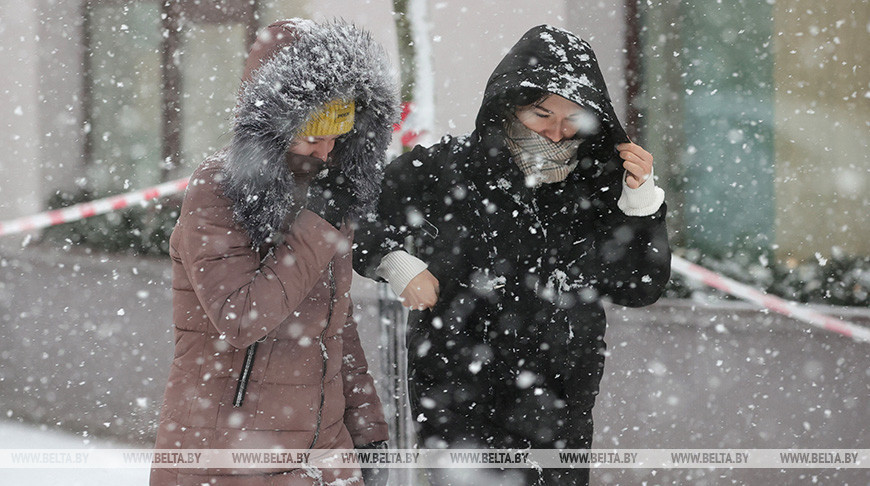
[335, 118]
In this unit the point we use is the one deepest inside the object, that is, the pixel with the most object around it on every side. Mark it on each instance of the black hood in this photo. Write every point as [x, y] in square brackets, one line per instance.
[324, 62]
[555, 61]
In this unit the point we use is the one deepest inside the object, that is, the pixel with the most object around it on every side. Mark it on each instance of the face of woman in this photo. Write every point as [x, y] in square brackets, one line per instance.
[554, 117]
[315, 151]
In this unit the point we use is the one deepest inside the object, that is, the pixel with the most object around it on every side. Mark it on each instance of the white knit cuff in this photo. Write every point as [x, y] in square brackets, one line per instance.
[643, 201]
[399, 268]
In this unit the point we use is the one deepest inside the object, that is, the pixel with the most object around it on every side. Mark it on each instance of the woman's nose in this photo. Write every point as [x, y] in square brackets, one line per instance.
[561, 131]
[322, 149]
[554, 133]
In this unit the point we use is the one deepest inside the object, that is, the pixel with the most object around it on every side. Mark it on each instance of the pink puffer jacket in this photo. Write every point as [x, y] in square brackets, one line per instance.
[309, 387]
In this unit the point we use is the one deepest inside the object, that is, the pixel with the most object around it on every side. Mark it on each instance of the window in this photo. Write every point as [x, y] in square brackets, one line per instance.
[758, 112]
[160, 83]
[123, 95]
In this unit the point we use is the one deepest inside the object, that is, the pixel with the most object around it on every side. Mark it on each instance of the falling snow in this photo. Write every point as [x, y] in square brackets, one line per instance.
[756, 114]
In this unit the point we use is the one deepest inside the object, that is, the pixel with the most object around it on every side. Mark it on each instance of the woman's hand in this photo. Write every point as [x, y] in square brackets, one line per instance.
[421, 292]
[637, 162]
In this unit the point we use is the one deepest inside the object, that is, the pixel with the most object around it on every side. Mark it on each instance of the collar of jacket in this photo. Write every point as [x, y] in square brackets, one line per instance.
[491, 158]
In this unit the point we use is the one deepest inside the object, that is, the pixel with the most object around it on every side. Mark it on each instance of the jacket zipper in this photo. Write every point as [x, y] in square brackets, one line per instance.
[248, 363]
[332, 292]
[245, 375]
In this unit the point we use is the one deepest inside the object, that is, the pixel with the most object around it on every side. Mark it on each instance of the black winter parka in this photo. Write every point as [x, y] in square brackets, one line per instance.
[512, 352]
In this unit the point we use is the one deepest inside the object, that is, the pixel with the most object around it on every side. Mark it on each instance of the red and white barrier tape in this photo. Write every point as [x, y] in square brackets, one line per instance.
[408, 134]
[92, 208]
[680, 265]
[776, 304]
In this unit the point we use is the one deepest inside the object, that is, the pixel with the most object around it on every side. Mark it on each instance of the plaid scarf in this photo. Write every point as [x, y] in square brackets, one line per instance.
[541, 160]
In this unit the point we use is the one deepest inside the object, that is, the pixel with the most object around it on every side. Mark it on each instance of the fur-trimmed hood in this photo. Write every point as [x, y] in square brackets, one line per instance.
[318, 63]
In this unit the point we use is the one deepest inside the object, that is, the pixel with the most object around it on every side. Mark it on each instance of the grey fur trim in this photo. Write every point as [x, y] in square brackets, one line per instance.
[327, 61]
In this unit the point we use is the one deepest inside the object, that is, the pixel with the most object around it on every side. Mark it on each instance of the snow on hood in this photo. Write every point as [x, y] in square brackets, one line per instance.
[324, 62]
[556, 61]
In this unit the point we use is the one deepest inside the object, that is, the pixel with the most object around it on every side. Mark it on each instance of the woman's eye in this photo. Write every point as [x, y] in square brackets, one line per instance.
[542, 115]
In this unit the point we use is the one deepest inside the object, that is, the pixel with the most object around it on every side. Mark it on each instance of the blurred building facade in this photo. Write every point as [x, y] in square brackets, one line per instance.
[757, 112]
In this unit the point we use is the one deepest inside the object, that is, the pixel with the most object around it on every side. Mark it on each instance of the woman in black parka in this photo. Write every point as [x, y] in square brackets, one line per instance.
[518, 230]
